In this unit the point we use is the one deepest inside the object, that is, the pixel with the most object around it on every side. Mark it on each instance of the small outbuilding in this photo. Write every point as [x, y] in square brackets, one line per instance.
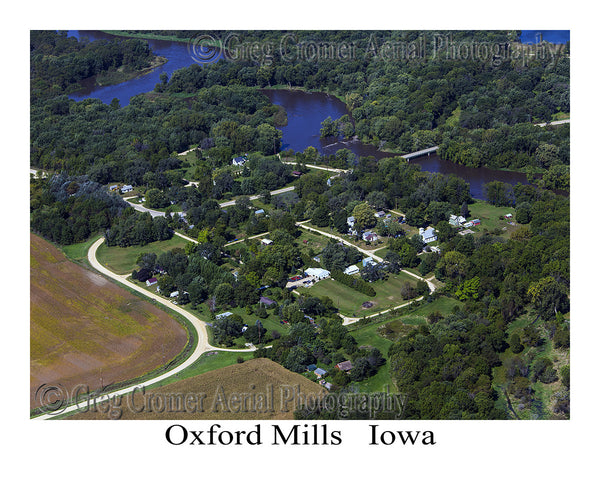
[151, 281]
[266, 301]
[320, 372]
[345, 366]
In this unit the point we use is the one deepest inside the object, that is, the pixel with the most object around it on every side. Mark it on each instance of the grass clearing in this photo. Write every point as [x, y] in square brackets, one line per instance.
[349, 301]
[122, 260]
[490, 218]
[78, 251]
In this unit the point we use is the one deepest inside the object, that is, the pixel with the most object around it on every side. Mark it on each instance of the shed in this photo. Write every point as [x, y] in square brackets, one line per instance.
[174, 294]
[266, 241]
[259, 212]
[151, 281]
[319, 372]
[345, 366]
[380, 214]
[476, 221]
[312, 367]
[266, 301]
[223, 315]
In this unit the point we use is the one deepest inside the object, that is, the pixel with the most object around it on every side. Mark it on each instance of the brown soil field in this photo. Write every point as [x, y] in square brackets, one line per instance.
[258, 389]
[85, 330]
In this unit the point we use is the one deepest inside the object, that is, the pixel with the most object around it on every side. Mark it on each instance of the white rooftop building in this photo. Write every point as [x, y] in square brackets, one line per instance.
[428, 235]
[319, 273]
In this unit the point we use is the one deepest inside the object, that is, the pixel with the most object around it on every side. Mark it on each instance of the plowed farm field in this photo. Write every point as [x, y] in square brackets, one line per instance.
[85, 330]
[258, 389]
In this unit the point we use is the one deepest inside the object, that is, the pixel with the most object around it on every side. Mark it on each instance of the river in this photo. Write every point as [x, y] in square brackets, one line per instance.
[305, 113]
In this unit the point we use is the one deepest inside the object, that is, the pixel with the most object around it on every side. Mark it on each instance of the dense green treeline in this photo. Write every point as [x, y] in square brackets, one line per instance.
[59, 62]
[405, 103]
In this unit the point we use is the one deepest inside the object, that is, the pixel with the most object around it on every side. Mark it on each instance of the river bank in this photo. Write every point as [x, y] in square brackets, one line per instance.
[123, 75]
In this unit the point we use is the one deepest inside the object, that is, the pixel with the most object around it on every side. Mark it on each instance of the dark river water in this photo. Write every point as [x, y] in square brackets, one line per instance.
[305, 113]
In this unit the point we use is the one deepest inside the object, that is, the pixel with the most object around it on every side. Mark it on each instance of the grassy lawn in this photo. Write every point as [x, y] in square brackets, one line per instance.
[349, 301]
[78, 251]
[122, 260]
[489, 216]
[313, 241]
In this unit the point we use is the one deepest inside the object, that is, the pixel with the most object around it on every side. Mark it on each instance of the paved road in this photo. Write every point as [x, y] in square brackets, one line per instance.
[202, 346]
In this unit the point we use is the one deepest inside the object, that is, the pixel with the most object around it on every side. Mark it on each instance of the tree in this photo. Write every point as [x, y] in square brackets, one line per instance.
[166, 285]
[515, 343]
[469, 289]
[321, 217]
[364, 216]
[546, 155]
[361, 369]
[146, 260]
[378, 200]
[329, 128]
[197, 291]
[548, 297]
[224, 294]
[156, 199]
[499, 193]
[297, 359]
[453, 266]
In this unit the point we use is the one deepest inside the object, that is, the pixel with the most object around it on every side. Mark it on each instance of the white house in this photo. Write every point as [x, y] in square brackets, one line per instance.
[351, 270]
[369, 237]
[456, 220]
[350, 221]
[428, 235]
[239, 161]
[319, 273]
[380, 214]
[266, 241]
[174, 294]
[368, 261]
[223, 315]
[126, 188]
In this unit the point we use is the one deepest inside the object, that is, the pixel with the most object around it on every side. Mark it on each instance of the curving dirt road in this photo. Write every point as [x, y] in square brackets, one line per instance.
[202, 346]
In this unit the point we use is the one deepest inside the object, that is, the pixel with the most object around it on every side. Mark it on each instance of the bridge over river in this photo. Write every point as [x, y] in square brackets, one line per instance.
[420, 153]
